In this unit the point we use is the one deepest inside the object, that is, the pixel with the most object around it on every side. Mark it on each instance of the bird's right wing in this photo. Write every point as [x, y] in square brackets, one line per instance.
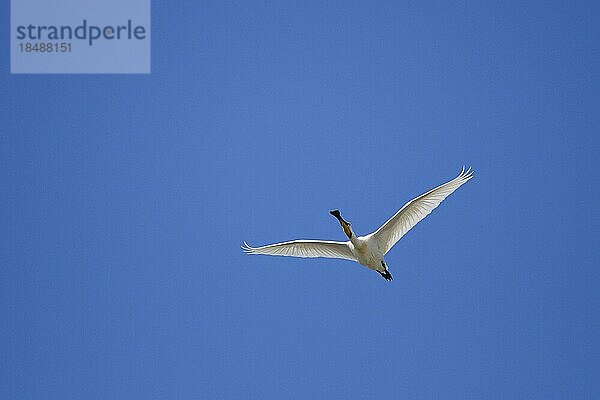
[304, 248]
[415, 210]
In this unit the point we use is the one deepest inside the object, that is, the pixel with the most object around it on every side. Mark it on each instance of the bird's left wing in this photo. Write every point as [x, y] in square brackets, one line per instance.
[304, 248]
[415, 210]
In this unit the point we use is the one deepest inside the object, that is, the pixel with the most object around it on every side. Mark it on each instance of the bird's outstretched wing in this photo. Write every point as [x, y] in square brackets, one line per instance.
[304, 248]
[415, 210]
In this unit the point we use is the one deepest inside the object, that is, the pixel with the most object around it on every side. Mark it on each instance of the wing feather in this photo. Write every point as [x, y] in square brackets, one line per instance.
[415, 210]
[304, 249]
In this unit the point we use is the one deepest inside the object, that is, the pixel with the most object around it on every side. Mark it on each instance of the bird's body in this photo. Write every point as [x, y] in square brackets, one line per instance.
[368, 250]
[367, 253]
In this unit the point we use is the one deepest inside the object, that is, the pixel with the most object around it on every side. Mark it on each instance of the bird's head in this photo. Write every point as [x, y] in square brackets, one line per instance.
[346, 226]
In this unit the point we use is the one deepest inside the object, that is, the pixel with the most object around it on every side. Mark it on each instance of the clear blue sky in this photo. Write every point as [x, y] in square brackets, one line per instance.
[125, 199]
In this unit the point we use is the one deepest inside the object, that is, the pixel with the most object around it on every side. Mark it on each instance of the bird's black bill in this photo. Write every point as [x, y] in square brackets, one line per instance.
[336, 213]
[345, 224]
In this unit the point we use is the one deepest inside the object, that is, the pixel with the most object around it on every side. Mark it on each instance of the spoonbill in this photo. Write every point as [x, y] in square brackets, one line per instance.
[368, 250]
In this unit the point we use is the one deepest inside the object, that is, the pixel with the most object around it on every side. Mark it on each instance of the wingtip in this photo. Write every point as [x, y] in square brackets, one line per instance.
[466, 173]
[246, 247]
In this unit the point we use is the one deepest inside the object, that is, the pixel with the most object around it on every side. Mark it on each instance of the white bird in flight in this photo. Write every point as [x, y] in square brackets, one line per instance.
[368, 250]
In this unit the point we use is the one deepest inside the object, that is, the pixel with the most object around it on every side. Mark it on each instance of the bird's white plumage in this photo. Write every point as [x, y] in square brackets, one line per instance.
[304, 248]
[368, 250]
[415, 210]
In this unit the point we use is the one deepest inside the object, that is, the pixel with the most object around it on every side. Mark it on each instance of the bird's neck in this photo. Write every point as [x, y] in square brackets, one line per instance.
[355, 241]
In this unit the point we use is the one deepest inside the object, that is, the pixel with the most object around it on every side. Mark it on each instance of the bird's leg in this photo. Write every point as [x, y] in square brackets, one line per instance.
[386, 275]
